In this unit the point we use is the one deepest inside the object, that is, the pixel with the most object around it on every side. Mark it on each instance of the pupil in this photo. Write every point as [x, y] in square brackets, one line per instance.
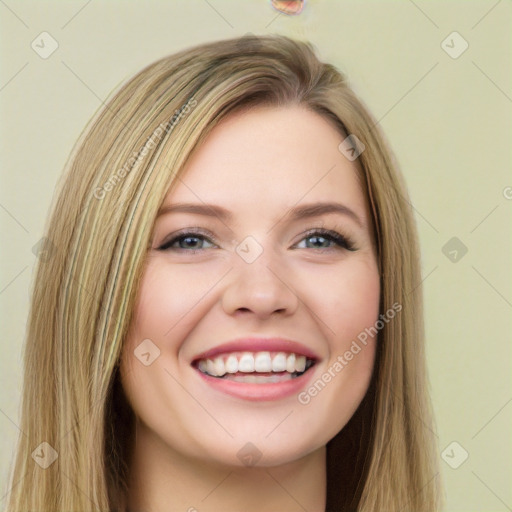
[317, 238]
[188, 239]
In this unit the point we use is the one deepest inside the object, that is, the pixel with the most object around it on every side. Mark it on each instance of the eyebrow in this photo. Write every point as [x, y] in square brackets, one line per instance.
[297, 213]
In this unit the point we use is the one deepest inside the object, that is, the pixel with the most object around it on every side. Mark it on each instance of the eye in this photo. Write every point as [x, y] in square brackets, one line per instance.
[189, 241]
[323, 236]
[193, 241]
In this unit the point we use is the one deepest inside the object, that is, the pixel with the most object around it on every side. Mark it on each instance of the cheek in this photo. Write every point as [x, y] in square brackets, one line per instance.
[167, 308]
[347, 307]
[164, 304]
[166, 300]
[157, 309]
[348, 302]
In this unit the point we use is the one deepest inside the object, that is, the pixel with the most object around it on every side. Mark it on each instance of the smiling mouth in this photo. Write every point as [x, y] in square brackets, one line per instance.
[255, 367]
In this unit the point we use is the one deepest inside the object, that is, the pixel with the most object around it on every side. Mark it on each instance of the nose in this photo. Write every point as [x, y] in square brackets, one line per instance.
[262, 287]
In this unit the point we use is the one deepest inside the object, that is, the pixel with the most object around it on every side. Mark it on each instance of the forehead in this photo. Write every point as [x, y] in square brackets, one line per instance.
[270, 157]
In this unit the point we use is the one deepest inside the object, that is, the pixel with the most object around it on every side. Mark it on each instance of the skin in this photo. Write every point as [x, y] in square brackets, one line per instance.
[257, 164]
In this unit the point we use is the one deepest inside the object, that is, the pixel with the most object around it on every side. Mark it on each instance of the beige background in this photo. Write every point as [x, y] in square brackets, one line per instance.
[448, 120]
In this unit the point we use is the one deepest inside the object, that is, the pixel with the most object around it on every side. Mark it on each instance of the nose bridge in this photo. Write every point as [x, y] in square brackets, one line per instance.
[259, 281]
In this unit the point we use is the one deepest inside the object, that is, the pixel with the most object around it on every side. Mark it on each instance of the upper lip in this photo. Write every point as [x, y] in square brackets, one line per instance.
[258, 345]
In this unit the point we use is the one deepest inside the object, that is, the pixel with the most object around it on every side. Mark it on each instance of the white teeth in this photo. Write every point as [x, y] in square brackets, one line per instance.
[231, 364]
[279, 362]
[210, 367]
[300, 364]
[250, 362]
[218, 364]
[246, 363]
[262, 362]
[290, 363]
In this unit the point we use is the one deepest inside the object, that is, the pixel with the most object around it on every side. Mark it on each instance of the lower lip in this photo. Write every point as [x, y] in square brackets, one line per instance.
[259, 392]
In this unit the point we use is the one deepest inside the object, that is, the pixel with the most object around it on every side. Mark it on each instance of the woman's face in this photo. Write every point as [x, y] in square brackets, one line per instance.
[245, 261]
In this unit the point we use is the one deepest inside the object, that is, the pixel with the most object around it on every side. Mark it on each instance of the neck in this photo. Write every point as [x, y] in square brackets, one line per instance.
[165, 480]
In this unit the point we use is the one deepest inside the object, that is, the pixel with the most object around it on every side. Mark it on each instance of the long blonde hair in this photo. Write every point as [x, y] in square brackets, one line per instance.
[97, 237]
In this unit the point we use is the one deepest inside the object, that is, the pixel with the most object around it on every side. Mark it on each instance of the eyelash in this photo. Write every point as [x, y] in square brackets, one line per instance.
[342, 241]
